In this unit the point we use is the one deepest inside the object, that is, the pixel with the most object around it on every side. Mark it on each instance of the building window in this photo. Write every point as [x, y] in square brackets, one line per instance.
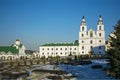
[43, 49]
[91, 41]
[56, 53]
[51, 48]
[70, 48]
[65, 53]
[74, 48]
[47, 48]
[99, 34]
[65, 48]
[56, 48]
[99, 47]
[52, 53]
[42, 53]
[82, 47]
[91, 48]
[48, 53]
[100, 28]
[82, 28]
[82, 41]
[91, 33]
[82, 52]
[99, 41]
[61, 53]
[82, 35]
[99, 52]
[60, 48]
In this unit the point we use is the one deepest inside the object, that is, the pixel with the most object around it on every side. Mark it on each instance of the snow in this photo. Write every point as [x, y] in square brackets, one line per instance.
[85, 71]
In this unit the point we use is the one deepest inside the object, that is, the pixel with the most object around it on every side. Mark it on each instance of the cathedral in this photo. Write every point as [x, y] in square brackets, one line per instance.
[89, 41]
[92, 40]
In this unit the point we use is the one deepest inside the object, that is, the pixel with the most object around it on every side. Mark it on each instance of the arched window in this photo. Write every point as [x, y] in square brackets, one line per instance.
[99, 52]
[99, 34]
[51, 48]
[91, 47]
[82, 28]
[99, 47]
[91, 41]
[82, 47]
[74, 48]
[82, 52]
[91, 33]
[82, 41]
[100, 28]
[82, 35]
[52, 53]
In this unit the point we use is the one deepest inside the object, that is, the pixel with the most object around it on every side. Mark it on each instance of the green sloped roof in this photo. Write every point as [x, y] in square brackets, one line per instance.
[7, 49]
[20, 45]
[61, 44]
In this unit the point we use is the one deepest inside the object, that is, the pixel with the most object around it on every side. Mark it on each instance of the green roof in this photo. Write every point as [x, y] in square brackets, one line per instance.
[7, 49]
[61, 44]
[20, 45]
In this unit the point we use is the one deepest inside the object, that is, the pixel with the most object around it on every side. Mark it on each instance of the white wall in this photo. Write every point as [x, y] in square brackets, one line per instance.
[22, 50]
[58, 50]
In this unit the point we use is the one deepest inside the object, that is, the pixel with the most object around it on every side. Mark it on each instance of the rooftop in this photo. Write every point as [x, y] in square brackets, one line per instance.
[7, 49]
[61, 44]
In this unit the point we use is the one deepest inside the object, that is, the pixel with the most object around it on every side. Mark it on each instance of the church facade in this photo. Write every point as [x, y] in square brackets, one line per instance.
[92, 40]
[12, 52]
[89, 41]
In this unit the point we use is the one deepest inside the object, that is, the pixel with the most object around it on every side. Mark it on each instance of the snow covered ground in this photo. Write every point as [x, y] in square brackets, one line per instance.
[81, 72]
[86, 72]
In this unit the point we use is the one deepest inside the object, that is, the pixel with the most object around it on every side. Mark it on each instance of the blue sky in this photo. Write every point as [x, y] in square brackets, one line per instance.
[37, 22]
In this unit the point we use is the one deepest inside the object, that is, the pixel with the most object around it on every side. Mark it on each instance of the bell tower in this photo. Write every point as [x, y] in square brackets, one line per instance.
[100, 25]
[100, 36]
[83, 26]
[17, 43]
[83, 29]
[82, 36]
[100, 28]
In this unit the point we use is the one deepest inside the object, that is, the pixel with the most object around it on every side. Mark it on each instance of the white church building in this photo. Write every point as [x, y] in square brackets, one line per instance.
[14, 51]
[89, 40]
